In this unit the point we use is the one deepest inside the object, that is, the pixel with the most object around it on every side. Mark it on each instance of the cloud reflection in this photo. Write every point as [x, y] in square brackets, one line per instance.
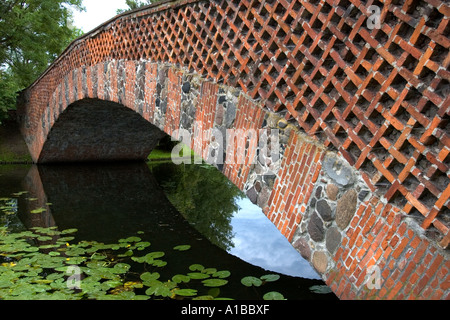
[257, 241]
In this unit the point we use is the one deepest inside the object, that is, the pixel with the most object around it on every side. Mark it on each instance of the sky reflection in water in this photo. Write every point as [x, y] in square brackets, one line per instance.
[257, 241]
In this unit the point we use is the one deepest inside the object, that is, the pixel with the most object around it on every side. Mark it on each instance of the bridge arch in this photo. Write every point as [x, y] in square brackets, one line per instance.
[91, 130]
[297, 67]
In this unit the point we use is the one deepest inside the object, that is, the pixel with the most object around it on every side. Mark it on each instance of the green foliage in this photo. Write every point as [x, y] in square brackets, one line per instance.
[273, 295]
[186, 187]
[32, 34]
[323, 289]
[135, 4]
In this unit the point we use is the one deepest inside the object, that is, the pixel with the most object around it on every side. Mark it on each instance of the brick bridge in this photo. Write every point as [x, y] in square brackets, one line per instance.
[362, 185]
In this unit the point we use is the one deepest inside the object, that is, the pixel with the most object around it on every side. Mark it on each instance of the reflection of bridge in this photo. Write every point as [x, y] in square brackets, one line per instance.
[316, 72]
[108, 202]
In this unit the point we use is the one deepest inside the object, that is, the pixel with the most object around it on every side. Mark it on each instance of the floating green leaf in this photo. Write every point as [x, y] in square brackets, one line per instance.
[185, 292]
[323, 289]
[273, 295]
[158, 263]
[251, 281]
[121, 268]
[18, 194]
[179, 278]
[214, 282]
[149, 276]
[182, 247]
[209, 270]
[69, 231]
[222, 274]
[161, 289]
[155, 255]
[198, 275]
[270, 277]
[39, 210]
[196, 267]
[142, 245]
[214, 292]
[130, 240]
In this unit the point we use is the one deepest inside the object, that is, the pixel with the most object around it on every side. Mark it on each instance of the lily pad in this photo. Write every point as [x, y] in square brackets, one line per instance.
[182, 247]
[185, 292]
[69, 231]
[178, 278]
[320, 289]
[196, 267]
[214, 282]
[273, 295]
[39, 210]
[198, 275]
[222, 274]
[270, 277]
[251, 281]
[149, 276]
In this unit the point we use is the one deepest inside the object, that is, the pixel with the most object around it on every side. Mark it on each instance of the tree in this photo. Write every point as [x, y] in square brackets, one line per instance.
[135, 4]
[32, 34]
[204, 196]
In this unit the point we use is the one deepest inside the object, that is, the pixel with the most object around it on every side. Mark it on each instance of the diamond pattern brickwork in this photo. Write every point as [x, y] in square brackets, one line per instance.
[378, 96]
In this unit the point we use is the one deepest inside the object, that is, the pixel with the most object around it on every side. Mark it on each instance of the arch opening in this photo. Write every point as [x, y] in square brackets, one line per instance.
[97, 130]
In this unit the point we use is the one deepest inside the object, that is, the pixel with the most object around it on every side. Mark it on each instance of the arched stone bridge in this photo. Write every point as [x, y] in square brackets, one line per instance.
[361, 186]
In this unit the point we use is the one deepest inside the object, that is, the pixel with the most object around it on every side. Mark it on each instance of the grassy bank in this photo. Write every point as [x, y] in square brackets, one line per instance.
[160, 155]
[13, 149]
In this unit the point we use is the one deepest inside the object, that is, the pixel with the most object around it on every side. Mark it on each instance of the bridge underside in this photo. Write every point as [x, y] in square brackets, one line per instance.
[96, 130]
[377, 209]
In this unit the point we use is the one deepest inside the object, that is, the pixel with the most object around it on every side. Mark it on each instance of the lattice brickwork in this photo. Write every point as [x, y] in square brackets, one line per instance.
[380, 97]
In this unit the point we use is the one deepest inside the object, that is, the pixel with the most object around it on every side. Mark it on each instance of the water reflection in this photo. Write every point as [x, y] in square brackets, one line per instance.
[111, 201]
[219, 210]
[258, 241]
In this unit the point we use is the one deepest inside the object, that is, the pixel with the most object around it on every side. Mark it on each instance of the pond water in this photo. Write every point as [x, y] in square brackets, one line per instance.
[163, 206]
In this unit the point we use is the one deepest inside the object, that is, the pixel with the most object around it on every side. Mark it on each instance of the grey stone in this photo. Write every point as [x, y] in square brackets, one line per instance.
[269, 179]
[333, 239]
[320, 261]
[257, 185]
[186, 87]
[220, 114]
[301, 245]
[346, 208]
[263, 197]
[319, 192]
[315, 228]
[332, 191]
[338, 170]
[252, 195]
[222, 99]
[324, 210]
[282, 124]
[231, 114]
[363, 194]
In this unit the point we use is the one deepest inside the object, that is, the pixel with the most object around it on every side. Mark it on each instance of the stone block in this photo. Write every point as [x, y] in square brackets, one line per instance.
[323, 208]
[320, 261]
[315, 228]
[346, 208]
[333, 239]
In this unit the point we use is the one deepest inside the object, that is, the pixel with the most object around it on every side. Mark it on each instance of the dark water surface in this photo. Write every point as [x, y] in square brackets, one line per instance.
[172, 205]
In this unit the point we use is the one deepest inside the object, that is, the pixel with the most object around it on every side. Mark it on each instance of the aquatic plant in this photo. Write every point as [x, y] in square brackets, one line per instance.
[46, 263]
